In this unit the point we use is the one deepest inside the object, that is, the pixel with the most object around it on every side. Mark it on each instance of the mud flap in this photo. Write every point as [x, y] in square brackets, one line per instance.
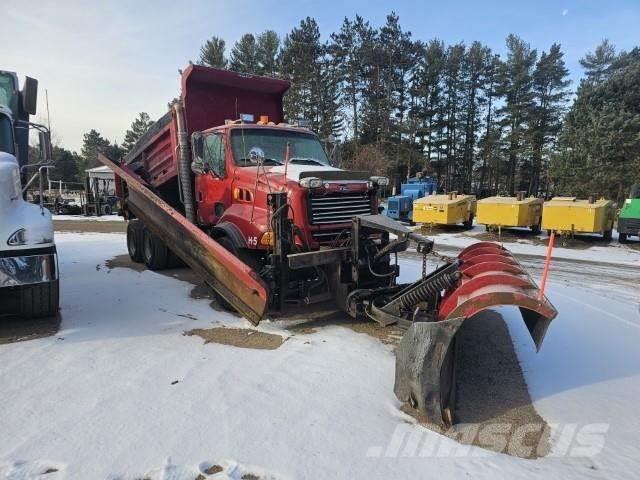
[425, 369]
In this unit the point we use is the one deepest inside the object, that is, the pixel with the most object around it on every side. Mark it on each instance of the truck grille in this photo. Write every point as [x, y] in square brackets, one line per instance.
[338, 208]
[330, 236]
[631, 224]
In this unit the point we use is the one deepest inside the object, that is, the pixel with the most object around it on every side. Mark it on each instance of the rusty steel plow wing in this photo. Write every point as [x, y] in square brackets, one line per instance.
[425, 359]
[220, 269]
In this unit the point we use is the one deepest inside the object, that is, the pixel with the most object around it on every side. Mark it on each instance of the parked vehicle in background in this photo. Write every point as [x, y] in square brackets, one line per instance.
[569, 216]
[28, 258]
[511, 212]
[400, 207]
[629, 218]
[445, 209]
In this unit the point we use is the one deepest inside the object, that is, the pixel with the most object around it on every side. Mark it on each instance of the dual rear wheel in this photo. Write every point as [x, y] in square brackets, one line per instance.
[145, 247]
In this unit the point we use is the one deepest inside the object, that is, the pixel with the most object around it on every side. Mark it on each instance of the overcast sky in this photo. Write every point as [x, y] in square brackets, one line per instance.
[103, 63]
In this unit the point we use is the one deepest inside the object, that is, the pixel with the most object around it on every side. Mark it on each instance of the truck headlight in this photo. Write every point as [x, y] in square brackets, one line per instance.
[380, 181]
[311, 182]
[17, 238]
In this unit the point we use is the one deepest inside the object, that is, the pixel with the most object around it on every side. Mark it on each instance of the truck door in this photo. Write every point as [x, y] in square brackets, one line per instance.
[212, 186]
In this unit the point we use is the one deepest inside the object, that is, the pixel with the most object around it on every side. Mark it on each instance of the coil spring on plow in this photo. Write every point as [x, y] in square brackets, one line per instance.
[425, 290]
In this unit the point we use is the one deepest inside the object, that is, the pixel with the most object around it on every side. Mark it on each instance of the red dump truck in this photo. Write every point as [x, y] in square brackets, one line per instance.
[251, 203]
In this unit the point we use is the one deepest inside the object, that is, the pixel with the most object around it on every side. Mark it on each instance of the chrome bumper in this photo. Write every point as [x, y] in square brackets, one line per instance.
[28, 269]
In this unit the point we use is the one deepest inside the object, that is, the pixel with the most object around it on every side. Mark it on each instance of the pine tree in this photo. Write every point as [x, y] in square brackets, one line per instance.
[517, 89]
[212, 53]
[490, 143]
[67, 165]
[474, 78]
[348, 49]
[267, 49]
[597, 63]
[138, 127]
[428, 91]
[329, 119]
[244, 55]
[92, 144]
[453, 129]
[300, 60]
[550, 95]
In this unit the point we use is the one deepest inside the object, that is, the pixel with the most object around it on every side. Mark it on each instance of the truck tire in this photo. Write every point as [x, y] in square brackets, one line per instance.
[536, 229]
[607, 235]
[40, 300]
[469, 223]
[135, 232]
[622, 237]
[154, 251]
[106, 210]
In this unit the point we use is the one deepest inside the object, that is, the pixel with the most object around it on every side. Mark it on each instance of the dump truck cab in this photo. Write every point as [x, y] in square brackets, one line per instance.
[237, 165]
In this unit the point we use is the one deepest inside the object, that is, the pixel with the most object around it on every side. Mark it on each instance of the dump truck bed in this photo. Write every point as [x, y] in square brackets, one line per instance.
[210, 98]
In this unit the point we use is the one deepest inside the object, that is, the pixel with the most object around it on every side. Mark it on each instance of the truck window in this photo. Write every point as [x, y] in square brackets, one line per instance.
[6, 136]
[305, 147]
[8, 92]
[214, 154]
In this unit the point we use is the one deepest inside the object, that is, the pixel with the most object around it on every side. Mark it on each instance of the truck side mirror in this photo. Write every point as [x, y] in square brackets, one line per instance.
[198, 164]
[45, 146]
[29, 95]
[196, 146]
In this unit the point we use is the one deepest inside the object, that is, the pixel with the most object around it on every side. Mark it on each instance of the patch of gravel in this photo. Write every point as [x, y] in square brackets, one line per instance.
[239, 337]
[83, 226]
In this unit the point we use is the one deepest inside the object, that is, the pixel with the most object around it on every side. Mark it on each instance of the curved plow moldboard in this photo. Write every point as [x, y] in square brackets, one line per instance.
[491, 277]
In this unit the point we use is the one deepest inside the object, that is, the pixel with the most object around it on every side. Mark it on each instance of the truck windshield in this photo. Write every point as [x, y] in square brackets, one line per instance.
[305, 148]
[6, 135]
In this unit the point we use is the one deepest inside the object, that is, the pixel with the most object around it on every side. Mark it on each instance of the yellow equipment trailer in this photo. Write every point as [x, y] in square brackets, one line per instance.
[447, 209]
[567, 216]
[510, 212]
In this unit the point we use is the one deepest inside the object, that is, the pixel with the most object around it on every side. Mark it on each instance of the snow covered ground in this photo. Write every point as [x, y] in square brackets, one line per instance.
[100, 399]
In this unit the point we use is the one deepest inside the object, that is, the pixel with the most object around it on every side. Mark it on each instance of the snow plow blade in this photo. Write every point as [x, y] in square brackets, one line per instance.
[221, 270]
[425, 359]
